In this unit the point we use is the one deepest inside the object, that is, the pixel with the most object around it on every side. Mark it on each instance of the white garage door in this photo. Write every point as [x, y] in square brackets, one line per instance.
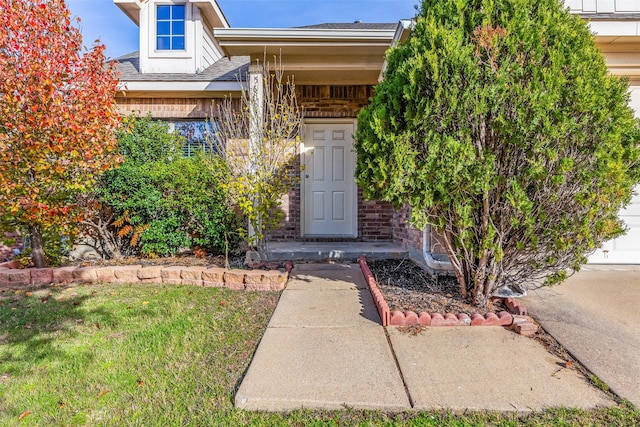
[625, 249]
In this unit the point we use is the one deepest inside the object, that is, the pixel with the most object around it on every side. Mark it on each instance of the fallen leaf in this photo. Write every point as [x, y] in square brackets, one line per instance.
[18, 292]
[24, 414]
[98, 325]
[140, 383]
[145, 302]
[103, 392]
[79, 321]
[76, 303]
[190, 292]
[222, 303]
[569, 364]
[28, 293]
[61, 404]
[94, 293]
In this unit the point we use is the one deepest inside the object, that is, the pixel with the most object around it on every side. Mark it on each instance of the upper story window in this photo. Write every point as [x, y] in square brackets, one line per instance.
[170, 23]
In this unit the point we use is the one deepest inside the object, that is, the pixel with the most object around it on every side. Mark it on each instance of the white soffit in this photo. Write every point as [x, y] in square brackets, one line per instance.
[247, 41]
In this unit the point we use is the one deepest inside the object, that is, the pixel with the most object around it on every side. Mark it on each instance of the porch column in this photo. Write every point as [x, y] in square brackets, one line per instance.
[256, 96]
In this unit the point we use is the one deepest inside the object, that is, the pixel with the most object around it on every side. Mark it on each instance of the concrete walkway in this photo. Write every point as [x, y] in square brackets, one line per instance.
[595, 315]
[325, 348]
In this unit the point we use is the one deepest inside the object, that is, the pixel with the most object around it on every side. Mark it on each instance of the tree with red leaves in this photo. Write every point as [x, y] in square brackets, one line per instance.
[57, 117]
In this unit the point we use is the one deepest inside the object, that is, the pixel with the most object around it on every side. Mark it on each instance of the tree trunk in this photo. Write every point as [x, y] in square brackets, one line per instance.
[37, 253]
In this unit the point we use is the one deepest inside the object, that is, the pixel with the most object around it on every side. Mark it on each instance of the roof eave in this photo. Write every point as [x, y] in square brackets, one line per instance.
[403, 30]
[131, 8]
[212, 12]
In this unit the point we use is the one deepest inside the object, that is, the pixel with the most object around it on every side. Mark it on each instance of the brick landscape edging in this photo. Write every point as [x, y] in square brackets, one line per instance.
[253, 280]
[516, 320]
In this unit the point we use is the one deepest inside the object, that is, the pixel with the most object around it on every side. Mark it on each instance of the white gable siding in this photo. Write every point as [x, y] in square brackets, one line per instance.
[210, 50]
[603, 6]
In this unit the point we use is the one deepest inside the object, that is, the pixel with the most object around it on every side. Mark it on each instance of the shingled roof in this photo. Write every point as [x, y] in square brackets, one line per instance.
[224, 70]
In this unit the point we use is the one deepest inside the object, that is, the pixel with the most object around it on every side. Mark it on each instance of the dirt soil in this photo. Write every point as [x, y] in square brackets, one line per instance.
[406, 286]
[187, 260]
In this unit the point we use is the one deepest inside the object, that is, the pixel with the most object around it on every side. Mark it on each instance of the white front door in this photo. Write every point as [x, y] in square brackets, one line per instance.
[329, 188]
[625, 249]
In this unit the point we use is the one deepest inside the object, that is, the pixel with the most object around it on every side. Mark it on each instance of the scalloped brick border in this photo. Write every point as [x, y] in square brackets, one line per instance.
[516, 320]
[253, 280]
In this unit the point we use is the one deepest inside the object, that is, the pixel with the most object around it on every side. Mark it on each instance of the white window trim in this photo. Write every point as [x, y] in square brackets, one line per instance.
[154, 52]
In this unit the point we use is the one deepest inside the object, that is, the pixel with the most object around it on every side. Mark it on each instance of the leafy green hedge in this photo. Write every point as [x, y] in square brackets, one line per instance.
[164, 202]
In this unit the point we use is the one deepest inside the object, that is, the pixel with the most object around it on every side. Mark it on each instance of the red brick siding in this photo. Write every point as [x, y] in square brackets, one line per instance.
[403, 233]
[374, 219]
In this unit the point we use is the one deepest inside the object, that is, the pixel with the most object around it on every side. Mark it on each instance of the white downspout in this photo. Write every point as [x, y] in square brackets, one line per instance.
[428, 257]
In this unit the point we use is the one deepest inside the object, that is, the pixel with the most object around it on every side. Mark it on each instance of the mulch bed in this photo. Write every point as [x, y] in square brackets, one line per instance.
[407, 287]
[187, 260]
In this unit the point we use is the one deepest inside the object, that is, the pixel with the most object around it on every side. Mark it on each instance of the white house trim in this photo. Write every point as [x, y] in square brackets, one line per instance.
[155, 86]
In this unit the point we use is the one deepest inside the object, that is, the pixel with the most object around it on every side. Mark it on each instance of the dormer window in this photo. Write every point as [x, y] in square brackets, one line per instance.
[170, 23]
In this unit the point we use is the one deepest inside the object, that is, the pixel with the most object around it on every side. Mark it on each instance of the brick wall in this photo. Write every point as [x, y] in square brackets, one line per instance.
[374, 219]
[168, 108]
[409, 237]
[403, 233]
[321, 101]
[165, 108]
[290, 225]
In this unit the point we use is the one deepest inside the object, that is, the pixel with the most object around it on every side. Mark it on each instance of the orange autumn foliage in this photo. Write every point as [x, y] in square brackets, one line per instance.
[57, 116]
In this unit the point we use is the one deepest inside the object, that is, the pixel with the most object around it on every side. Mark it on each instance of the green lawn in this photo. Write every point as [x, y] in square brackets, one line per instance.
[154, 355]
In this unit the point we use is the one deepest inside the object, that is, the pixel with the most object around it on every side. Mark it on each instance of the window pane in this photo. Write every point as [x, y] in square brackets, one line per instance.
[164, 43]
[178, 12]
[164, 12]
[178, 43]
[198, 134]
[177, 28]
[163, 28]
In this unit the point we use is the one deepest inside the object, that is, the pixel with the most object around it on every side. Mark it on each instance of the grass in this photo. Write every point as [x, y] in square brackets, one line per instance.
[154, 355]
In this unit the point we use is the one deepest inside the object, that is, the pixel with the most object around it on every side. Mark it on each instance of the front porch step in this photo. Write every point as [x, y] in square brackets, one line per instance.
[336, 251]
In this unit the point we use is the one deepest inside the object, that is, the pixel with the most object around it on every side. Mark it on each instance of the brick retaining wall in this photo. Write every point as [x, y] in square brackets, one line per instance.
[253, 280]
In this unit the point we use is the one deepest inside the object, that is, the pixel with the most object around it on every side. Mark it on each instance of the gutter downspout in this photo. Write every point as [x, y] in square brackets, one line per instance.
[428, 257]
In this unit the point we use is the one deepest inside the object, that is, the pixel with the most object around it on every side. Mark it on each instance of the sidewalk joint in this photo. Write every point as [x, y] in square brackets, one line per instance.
[395, 360]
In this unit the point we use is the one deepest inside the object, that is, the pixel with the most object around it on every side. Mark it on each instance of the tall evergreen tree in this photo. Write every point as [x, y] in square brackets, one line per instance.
[498, 123]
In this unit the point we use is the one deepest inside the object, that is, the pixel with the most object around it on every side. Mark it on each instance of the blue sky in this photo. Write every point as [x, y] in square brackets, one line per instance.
[101, 19]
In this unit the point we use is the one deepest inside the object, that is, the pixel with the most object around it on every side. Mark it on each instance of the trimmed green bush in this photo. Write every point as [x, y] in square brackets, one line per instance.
[164, 202]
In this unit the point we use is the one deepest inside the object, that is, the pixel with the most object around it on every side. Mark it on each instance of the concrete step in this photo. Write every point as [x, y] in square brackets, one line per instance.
[338, 251]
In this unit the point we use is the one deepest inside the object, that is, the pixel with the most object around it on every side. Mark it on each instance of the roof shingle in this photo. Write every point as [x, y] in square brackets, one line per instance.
[224, 70]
